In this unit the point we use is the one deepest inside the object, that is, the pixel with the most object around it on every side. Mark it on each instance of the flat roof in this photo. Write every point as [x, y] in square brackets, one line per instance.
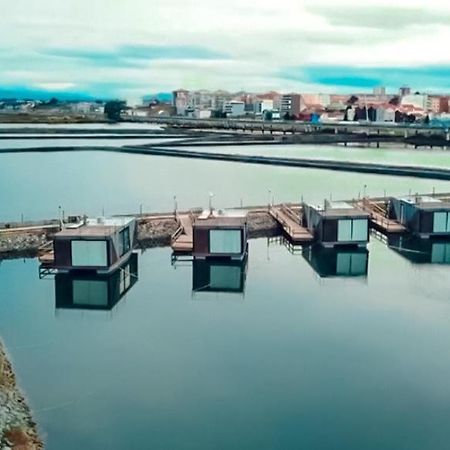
[339, 209]
[100, 227]
[220, 217]
[425, 202]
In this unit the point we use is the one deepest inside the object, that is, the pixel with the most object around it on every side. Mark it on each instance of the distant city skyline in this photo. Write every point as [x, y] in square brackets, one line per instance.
[107, 49]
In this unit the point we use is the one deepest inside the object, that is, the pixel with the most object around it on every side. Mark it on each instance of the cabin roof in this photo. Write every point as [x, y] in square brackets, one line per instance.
[221, 218]
[425, 202]
[339, 210]
[100, 227]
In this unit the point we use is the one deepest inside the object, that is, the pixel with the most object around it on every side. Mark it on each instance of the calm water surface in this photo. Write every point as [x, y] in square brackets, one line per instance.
[297, 360]
[91, 182]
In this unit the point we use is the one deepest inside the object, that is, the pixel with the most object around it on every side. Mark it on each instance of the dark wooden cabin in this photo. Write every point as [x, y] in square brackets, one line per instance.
[335, 224]
[220, 234]
[98, 245]
[424, 216]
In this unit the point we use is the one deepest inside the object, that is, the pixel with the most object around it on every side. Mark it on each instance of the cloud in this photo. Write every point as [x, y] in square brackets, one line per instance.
[429, 77]
[384, 18]
[117, 48]
[134, 55]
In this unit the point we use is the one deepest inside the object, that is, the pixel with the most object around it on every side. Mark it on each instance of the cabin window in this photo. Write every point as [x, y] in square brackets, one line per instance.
[225, 277]
[440, 253]
[225, 241]
[89, 254]
[441, 222]
[352, 230]
[90, 293]
[124, 241]
[125, 279]
[351, 263]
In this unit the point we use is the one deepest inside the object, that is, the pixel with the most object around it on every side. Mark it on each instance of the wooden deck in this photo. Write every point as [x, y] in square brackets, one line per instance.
[290, 222]
[182, 241]
[378, 218]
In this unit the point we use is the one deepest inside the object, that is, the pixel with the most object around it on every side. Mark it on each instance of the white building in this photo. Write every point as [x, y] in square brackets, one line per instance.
[417, 100]
[202, 113]
[260, 106]
[385, 114]
[234, 108]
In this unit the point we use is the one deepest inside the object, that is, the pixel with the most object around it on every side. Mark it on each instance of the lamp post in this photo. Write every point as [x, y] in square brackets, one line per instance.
[211, 195]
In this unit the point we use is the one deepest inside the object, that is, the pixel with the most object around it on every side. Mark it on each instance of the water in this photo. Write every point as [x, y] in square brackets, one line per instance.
[297, 361]
[295, 357]
[91, 182]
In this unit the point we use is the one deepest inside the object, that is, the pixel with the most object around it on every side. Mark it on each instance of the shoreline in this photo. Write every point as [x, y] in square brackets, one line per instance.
[17, 427]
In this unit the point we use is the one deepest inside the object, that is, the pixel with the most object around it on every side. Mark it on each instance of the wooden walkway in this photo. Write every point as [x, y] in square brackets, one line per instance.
[182, 240]
[378, 218]
[290, 222]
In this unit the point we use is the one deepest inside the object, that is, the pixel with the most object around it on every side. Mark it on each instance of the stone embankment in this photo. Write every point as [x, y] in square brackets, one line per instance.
[157, 232]
[18, 244]
[17, 429]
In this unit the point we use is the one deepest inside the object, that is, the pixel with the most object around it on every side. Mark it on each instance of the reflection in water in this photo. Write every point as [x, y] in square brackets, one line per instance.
[337, 262]
[421, 251]
[77, 290]
[219, 276]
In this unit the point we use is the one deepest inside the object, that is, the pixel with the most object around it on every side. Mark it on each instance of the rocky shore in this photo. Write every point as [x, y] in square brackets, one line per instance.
[17, 429]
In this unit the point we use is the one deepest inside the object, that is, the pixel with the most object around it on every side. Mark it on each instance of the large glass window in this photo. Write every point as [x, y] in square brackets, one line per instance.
[441, 222]
[352, 230]
[345, 230]
[225, 241]
[124, 241]
[89, 254]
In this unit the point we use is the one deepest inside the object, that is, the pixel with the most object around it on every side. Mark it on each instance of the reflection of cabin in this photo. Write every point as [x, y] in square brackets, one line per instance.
[421, 251]
[219, 276]
[423, 215]
[337, 223]
[83, 290]
[337, 262]
[220, 234]
[99, 245]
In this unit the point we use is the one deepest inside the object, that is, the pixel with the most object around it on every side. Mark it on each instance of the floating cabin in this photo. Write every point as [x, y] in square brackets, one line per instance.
[98, 245]
[336, 223]
[337, 262]
[421, 251]
[424, 216]
[220, 234]
[219, 276]
[88, 291]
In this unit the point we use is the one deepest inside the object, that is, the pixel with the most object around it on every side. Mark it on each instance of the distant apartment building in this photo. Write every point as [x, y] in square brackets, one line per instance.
[260, 106]
[180, 101]
[404, 90]
[220, 98]
[234, 108]
[291, 104]
[419, 101]
[379, 91]
[438, 104]
[323, 100]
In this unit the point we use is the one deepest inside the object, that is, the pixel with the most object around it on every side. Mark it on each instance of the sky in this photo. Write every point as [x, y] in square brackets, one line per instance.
[130, 48]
